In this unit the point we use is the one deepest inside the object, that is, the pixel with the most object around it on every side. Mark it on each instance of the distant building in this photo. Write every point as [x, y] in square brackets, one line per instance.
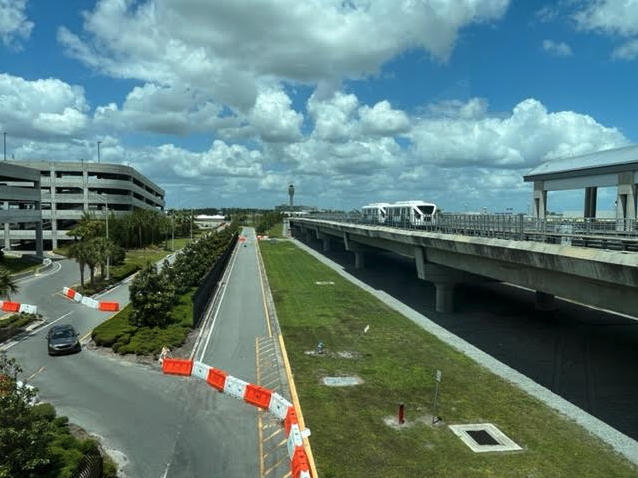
[69, 189]
[204, 221]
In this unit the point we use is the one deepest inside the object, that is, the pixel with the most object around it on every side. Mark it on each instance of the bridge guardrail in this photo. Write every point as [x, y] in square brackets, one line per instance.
[508, 226]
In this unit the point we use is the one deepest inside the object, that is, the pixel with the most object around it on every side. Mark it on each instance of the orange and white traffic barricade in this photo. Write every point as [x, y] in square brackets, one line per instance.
[8, 306]
[200, 370]
[217, 379]
[108, 306]
[173, 366]
[279, 406]
[235, 387]
[28, 309]
[70, 293]
[89, 302]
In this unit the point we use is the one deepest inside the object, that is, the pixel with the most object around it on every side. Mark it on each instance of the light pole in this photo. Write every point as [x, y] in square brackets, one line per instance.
[173, 232]
[108, 255]
[5, 145]
[98, 151]
[191, 225]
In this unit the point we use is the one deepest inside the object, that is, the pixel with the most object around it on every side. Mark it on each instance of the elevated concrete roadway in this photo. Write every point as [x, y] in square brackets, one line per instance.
[601, 278]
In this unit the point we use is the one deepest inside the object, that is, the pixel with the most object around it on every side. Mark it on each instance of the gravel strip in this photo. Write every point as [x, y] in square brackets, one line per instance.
[620, 442]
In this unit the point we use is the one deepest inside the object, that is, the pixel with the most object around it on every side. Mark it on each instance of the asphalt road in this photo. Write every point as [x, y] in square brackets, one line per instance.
[157, 426]
[587, 356]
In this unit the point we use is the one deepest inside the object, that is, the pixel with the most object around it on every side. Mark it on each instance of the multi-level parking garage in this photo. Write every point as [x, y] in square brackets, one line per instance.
[69, 189]
[20, 203]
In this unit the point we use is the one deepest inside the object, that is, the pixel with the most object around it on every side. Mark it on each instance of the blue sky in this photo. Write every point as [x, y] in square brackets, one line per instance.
[225, 103]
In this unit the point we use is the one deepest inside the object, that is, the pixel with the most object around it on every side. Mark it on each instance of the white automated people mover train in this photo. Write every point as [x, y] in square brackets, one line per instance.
[375, 213]
[401, 213]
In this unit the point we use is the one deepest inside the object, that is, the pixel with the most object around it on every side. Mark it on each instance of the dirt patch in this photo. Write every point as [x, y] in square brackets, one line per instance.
[393, 421]
[344, 354]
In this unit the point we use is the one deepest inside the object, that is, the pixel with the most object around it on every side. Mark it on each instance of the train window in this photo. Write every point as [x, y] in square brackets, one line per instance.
[426, 209]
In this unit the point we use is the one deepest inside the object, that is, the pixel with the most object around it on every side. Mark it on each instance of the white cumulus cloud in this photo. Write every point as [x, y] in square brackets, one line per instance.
[609, 16]
[528, 135]
[557, 48]
[229, 49]
[45, 108]
[13, 21]
[626, 51]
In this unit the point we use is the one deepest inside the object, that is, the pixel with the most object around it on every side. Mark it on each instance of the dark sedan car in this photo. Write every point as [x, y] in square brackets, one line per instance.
[63, 339]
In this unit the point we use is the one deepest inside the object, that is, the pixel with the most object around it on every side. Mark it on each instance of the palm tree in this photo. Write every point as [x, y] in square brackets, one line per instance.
[80, 252]
[7, 284]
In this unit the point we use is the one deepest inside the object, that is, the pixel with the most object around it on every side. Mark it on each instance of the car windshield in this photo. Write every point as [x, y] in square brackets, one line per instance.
[62, 334]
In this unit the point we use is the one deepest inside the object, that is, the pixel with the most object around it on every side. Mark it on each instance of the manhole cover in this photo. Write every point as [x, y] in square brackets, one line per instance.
[484, 437]
[341, 381]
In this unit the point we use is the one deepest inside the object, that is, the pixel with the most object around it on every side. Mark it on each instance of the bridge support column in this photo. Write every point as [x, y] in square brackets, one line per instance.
[540, 200]
[308, 235]
[359, 260]
[625, 202]
[444, 297]
[545, 301]
[39, 249]
[7, 237]
[325, 238]
[590, 202]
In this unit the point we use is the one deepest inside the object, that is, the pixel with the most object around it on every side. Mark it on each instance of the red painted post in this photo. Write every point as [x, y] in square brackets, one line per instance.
[401, 414]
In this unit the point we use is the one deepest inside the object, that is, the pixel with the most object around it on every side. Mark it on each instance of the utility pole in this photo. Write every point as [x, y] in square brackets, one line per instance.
[5, 145]
[191, 225]
[173, 233]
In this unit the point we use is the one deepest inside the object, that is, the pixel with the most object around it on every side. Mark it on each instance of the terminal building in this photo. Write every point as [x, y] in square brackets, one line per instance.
[69, 189]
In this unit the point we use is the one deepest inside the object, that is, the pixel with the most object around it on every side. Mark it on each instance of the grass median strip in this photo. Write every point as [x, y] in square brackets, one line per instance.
[397, 362]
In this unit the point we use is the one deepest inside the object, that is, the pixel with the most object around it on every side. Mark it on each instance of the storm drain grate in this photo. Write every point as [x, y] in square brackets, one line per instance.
[484, 437]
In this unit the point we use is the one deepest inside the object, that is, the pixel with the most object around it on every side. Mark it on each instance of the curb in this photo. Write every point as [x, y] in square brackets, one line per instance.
[48, 264]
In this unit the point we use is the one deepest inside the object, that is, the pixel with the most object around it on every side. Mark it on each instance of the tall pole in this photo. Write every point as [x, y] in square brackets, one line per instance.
[98, 151]
[5, 145]
[191, 225]
[108, 255]
[173, 233]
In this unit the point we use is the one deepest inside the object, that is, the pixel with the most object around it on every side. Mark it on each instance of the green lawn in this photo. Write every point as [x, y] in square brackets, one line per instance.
[397, 361]
[18, 264]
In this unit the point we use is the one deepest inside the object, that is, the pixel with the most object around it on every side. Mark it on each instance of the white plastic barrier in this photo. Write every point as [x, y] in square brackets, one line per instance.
[200, 370]
[235, 387]
[28, 308]
[92, 303]
[295, 439]
[279, 406]
[78, 297]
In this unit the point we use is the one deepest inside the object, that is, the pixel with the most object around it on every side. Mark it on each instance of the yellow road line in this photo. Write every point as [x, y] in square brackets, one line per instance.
[259, 421]
[86, 336]
[34, 375]
[295, 401]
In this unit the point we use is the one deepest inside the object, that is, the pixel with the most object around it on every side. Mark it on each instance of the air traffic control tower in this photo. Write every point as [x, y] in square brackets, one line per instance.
[291, 193]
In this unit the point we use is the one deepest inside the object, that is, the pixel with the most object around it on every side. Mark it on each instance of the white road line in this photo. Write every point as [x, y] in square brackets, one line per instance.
[219, 304]
[40, 276]
[11, 344]
[51, 323]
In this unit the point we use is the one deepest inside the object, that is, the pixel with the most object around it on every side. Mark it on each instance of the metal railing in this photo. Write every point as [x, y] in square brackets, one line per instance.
[506, 226]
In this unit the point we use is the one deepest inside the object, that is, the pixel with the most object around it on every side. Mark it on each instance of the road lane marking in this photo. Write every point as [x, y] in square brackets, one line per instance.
[40, 275]
[34, 375]
[219, 306]
[259, 421]
[263, 288]
[86, 336]
[35, 332]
